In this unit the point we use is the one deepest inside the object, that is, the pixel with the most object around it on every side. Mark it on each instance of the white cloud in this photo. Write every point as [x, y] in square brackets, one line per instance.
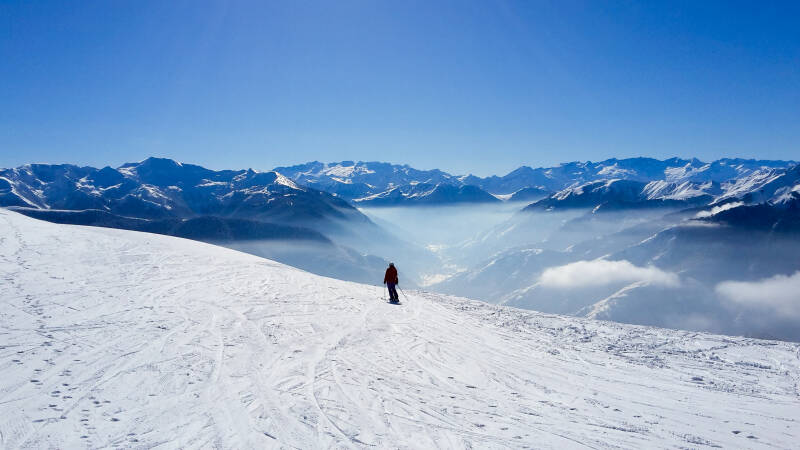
[718, 209]
[780, 293]
[601, 272]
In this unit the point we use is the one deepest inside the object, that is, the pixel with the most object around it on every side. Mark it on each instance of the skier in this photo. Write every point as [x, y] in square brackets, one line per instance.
[391, 280]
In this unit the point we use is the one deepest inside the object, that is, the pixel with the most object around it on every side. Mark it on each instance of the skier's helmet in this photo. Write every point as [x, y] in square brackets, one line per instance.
[391, 264]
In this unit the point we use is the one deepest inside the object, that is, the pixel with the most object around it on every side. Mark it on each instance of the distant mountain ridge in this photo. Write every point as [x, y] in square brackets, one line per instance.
[159, 189]
[379, 183]
[779, 187]
[641, 169]
[428, 194]
[319, 193]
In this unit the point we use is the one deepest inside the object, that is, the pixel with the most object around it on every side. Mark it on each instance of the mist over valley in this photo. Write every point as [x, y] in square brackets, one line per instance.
[670, 243]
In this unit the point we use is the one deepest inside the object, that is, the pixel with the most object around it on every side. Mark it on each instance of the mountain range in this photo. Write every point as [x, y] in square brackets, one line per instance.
[252, 211]
[161, 188]
[382, 184]
[778, 186]
[701, 222]
[317, 194]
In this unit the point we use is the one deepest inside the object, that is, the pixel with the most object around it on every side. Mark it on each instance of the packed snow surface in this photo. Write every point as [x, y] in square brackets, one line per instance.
[117, 338]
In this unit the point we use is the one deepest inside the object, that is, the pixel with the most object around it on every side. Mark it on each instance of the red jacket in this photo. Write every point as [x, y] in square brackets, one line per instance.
[391, 276]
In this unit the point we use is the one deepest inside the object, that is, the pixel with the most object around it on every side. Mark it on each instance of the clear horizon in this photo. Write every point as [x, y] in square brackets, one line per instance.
[465, 87]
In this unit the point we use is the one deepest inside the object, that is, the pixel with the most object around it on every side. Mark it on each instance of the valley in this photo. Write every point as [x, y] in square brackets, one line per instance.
[629, 222]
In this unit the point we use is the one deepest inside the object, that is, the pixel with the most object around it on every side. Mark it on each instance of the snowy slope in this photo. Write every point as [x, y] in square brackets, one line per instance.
[118, 338]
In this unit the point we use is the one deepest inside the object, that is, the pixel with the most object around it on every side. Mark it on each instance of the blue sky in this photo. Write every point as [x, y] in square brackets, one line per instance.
[465, 86]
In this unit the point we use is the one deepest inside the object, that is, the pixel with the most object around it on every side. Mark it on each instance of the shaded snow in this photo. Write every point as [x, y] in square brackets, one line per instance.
[751, 183]
[676, 191]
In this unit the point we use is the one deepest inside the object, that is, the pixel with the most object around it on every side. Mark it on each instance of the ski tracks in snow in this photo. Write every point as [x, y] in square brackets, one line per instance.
[114, 338]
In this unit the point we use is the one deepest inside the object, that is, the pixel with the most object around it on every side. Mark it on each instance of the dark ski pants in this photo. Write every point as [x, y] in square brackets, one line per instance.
[392, 291]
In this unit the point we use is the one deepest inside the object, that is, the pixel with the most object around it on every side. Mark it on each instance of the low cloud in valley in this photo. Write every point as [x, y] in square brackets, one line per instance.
[780, 293]
[601, 272]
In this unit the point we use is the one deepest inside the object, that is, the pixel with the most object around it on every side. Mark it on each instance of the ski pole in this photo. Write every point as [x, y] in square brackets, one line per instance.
[384, 293]
[404, 294]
